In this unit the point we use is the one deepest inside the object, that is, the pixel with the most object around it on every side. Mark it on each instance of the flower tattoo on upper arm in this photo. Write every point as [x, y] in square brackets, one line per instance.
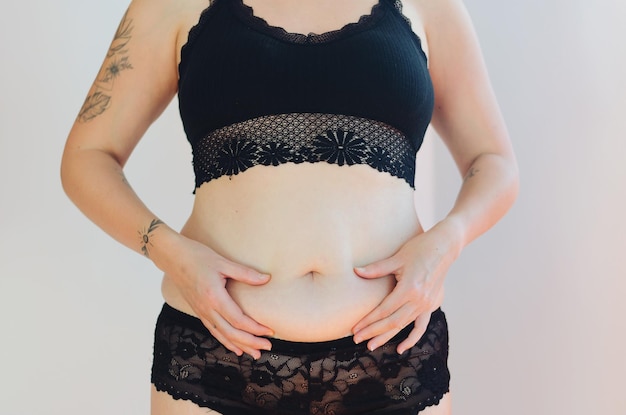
[116, 62]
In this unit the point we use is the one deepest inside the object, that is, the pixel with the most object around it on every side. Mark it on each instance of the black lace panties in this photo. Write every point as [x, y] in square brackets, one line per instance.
[331, 378]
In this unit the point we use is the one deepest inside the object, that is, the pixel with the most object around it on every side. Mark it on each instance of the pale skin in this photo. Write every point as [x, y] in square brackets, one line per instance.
[209, 275]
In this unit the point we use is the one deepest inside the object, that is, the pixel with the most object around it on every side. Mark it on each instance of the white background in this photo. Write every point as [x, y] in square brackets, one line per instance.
[536, 307]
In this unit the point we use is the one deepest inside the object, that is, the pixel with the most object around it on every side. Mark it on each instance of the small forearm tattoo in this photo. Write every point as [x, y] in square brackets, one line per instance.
[123, 177]
[146, 234]
[117, 61]
[471, 173]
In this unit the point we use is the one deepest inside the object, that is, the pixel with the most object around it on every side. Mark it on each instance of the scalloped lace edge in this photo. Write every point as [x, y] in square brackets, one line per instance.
[279, 32]
[203, 403]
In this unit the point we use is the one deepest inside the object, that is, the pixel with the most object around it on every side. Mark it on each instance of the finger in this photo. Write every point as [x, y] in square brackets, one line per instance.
[240, 339]
[220, 337]
[379, 269]
[232, 313]
[381, 331]
[242, 273]
[390, 304]
[421, 324]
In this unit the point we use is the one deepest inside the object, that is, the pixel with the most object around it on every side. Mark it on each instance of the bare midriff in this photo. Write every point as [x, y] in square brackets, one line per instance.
[308, 226]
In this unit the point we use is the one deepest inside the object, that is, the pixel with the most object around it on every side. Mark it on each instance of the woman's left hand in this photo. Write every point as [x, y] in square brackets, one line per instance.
[419, 268]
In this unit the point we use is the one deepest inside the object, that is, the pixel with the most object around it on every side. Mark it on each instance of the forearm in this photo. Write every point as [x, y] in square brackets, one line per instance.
[95, 182]
[489, 189]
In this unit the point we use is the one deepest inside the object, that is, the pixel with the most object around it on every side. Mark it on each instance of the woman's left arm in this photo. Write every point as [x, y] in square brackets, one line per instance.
[467, 118]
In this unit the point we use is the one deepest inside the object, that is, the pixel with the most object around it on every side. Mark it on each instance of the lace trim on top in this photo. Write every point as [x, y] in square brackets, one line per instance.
[246, 13]
[303, 137]
[194, 32]
[398, 6]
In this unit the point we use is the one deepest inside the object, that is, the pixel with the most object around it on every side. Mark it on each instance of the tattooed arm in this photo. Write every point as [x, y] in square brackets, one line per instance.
[136, 82]
[117, 61]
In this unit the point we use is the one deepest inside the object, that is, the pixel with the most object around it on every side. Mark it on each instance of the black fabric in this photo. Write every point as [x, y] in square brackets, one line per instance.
[235, 67]
[326, 378]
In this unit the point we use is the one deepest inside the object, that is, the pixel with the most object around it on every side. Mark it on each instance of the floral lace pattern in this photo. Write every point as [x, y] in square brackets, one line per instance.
[327, 378]
[303, 137]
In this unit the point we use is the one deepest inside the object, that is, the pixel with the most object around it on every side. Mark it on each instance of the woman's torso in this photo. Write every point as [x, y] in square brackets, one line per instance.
[306, 224]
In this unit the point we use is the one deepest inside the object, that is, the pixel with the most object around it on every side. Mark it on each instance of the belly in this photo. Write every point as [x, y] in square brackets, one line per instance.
[308, 226]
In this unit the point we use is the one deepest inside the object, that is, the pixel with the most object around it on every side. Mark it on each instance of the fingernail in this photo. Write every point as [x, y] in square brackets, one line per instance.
[371, 348]
[357, 340]
[359, 269]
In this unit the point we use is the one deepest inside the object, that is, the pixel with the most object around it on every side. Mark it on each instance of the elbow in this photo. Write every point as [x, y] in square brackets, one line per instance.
[504, 166]
[514, 177]
[73, 170]
[514, 186]
[511, 176]
[66, 173]
[81, 168]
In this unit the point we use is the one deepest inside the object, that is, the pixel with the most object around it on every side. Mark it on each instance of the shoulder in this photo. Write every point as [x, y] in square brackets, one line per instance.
[165, 20]
[138, 76]
[188, 15]
[151, 13]
[433, 11]
[437, 22]
[440, 23]
[455, 57]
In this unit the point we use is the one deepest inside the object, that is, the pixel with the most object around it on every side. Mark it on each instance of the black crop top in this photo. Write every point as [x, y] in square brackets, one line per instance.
[253, 94]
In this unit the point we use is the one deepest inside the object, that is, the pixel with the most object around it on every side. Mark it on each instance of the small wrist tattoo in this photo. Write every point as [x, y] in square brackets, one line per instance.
[146, 234]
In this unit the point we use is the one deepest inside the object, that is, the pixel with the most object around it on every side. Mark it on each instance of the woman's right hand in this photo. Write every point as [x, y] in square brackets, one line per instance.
[200, 275]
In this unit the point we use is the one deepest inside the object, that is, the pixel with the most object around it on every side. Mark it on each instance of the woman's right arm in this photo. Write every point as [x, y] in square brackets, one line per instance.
[134, 85]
